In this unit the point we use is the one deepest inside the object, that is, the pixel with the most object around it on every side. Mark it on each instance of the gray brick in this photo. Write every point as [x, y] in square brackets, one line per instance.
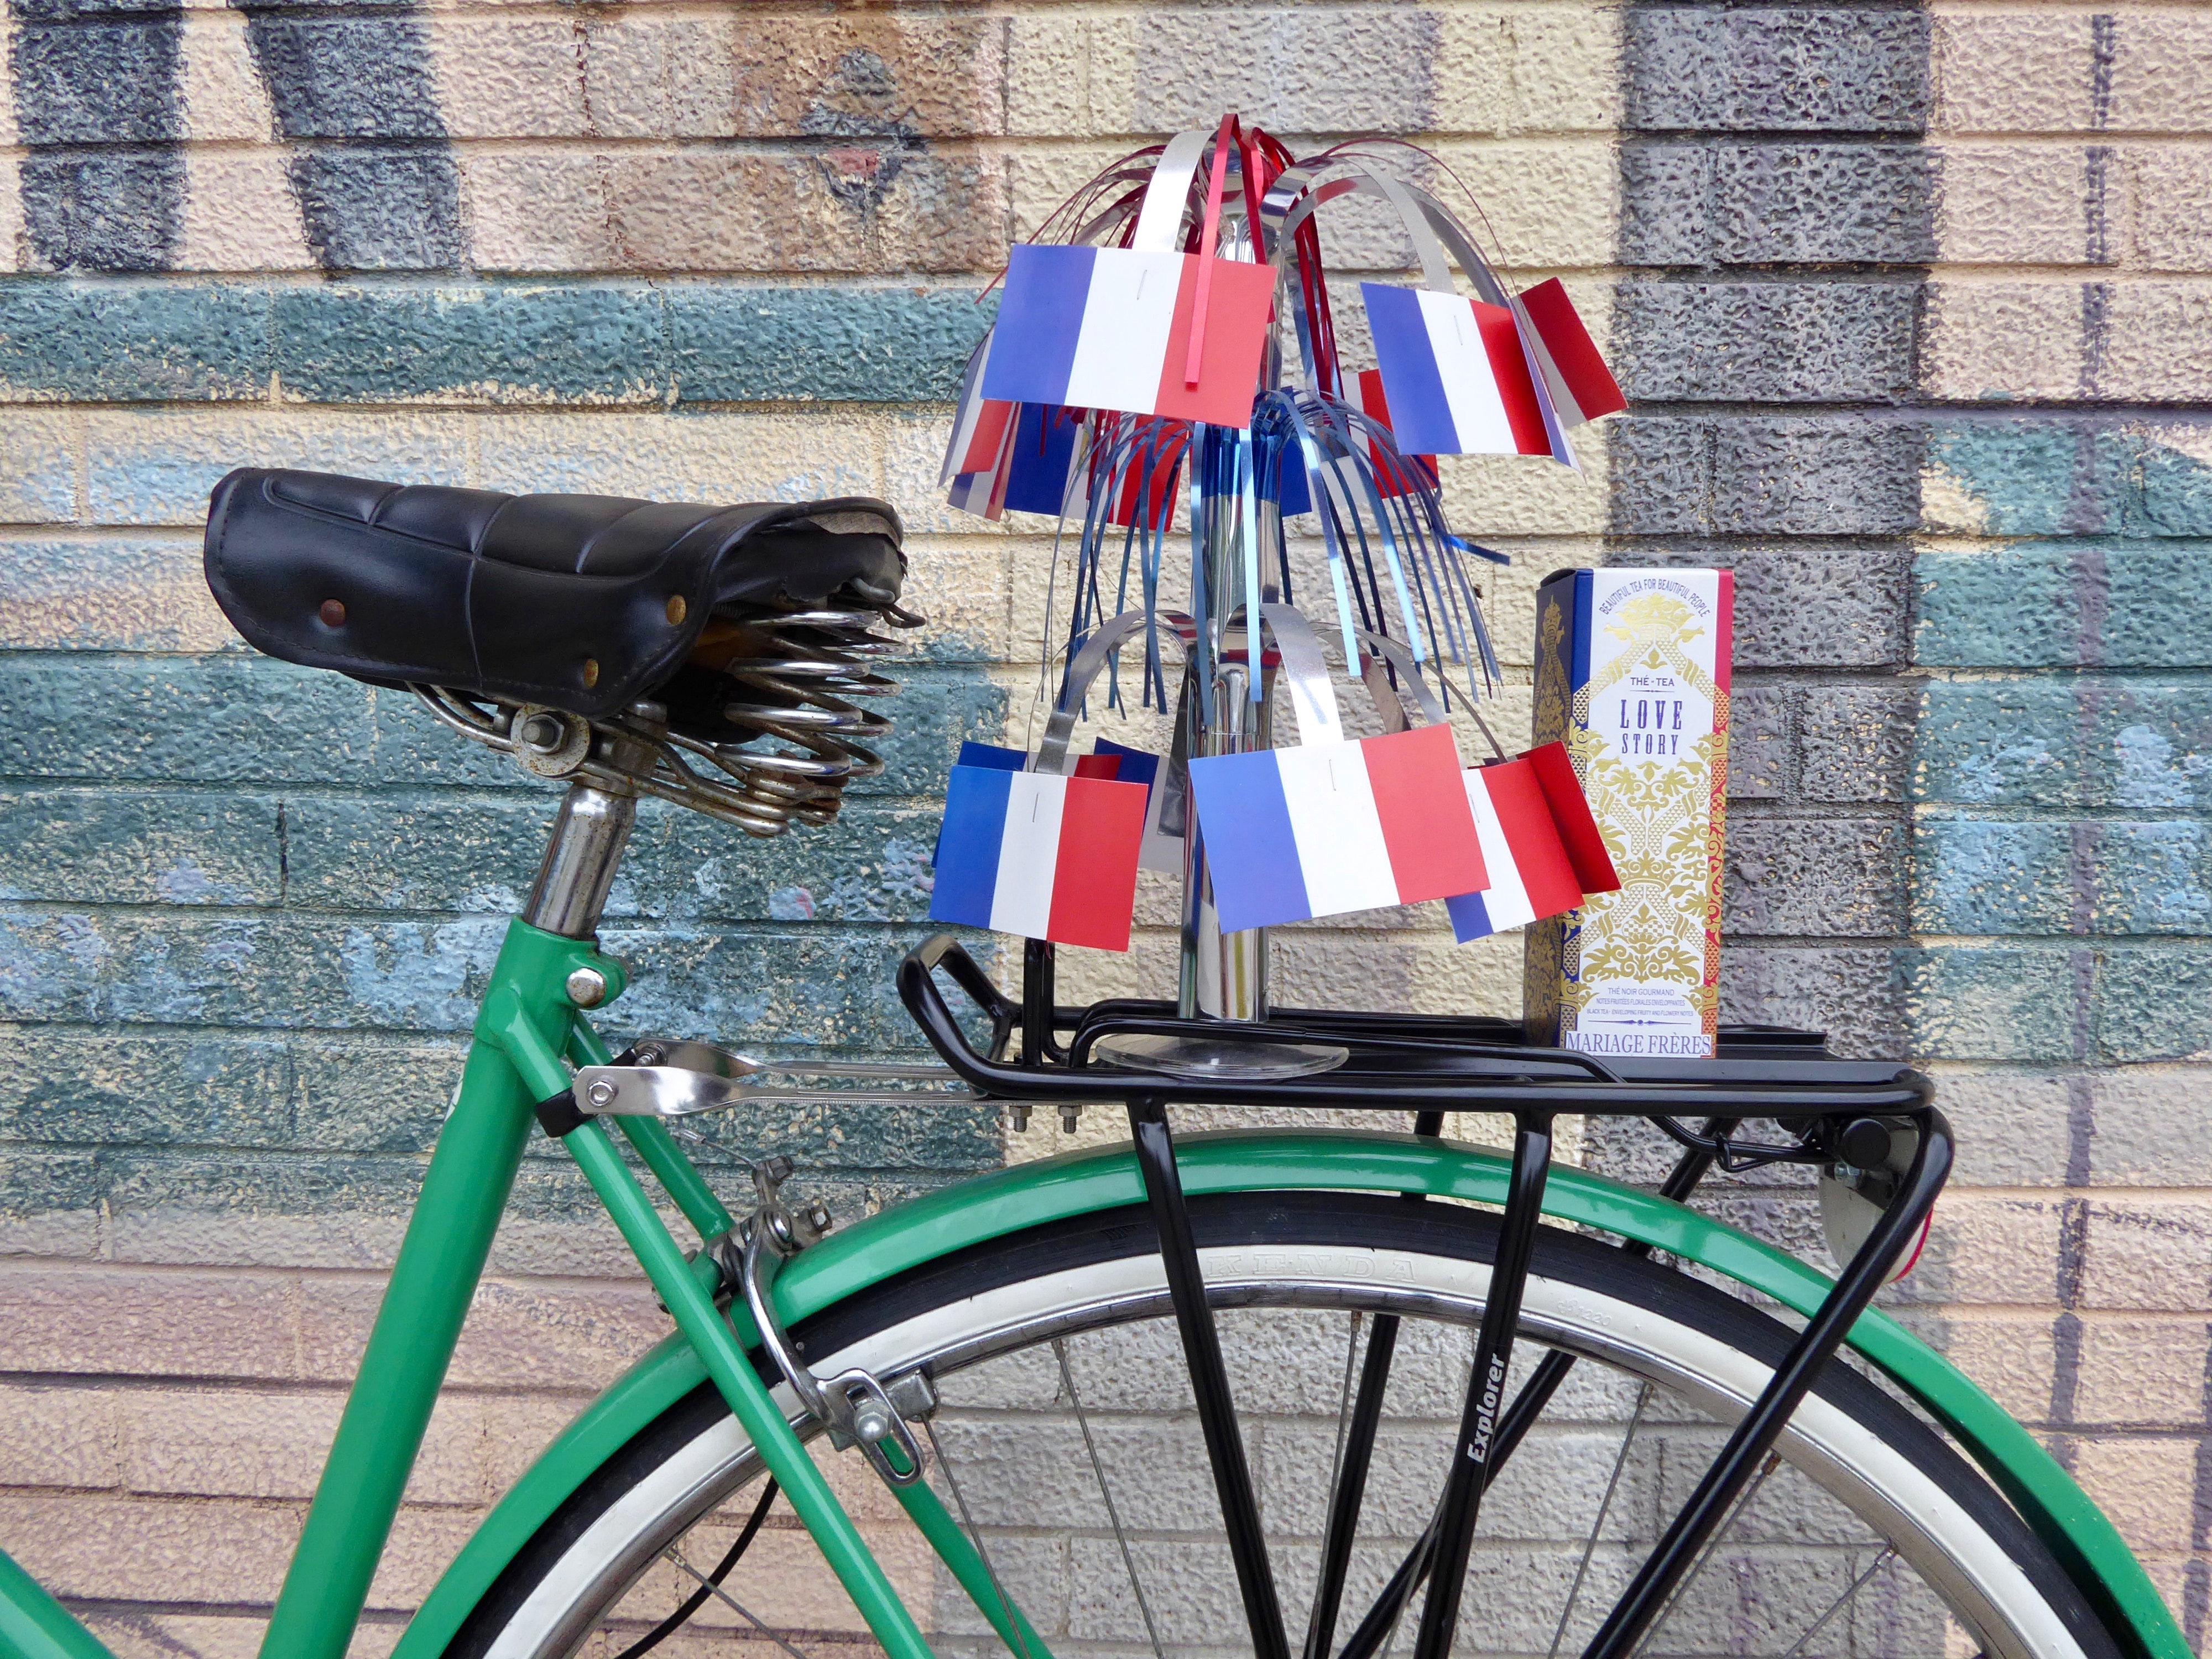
[1661, 469]
[1801, 605]
[112, 210]
[1855, 741]
[1762, 743]
[1835, 878]
[108, 83]
[1823, 204]
[158, 847]
[1976, 876]
[1780, 342]
[1666, 204]
[369, 209]
[348, 77]
[1856, 994]
[1807, 69]
[1835, 475]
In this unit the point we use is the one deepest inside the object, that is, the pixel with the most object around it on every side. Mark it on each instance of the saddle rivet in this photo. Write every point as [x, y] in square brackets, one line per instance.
[590, 672]
[587, 988]
[333, 611]
[677, 611]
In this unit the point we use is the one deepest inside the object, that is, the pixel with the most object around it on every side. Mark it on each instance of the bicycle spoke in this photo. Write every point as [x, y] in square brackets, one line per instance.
[1347, 1479]
[1735, 1513]
[691, 1604]
[1604, 1506]
[1852, 1590]
[960, 1501]
[1112, 1514]
[744, 1612]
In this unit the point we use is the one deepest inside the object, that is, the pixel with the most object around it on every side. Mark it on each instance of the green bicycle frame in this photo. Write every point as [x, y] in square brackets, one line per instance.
[528, 1024]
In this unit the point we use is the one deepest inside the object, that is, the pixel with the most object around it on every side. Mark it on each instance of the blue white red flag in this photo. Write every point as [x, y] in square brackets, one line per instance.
[1110, 328]
[1457, 374]
[1039, 854]
[1326, 828]
[1539, 845]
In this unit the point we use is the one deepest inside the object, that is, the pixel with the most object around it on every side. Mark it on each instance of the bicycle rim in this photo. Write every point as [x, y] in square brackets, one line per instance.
[1066, 1438]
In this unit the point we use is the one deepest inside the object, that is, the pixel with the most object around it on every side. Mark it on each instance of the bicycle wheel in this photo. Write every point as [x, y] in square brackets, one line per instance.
[1065, 1435]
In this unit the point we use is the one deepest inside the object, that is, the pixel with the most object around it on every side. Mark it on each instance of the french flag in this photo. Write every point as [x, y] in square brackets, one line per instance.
[1582, 386]
[1457, 375]
[1111, 328]
[979, 425]
[1325, 827]
[1039, 854]
[1539, 844]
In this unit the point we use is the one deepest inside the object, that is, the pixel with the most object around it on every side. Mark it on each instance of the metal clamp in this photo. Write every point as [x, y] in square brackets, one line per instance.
[667, 1079]
[854, 1405]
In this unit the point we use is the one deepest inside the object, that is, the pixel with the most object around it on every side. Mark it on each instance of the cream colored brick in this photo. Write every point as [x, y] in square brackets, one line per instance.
[2145, 1485]
[38, 466]
[2001, 1251]
[517, 1333]
[2149, 1253]
[1039, 180]
[235, 1443]
[509, 77]
[545, 211]
[913, 450]
[1506, 495]
[1474, 81]
[1111, 98]
[1048, 75]
[104, 1548]
[423, 1543]
[2137, 1110]
[94, 1320]
[2158, 347]
[1543, 205]
[139, 1635]
[222, 95]
[2012, 71]
[2012, 204]
[1566, 68]
[962, 588]
[647, 76]
[2006, 339]
[240, 214]
[2171, 197]
[2012, 1129]
[2162, 71]
[59, 1437]
[2012, 1360]
[11, 209]
[10, 132]
[2141, 1371]
[713, 457]
[155, 466]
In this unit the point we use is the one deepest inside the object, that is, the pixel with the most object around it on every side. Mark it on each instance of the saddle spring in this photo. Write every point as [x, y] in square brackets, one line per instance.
[794, 674]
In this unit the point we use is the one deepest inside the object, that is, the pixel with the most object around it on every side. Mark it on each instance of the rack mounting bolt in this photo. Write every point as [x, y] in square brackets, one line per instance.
[1020, 1115]
[587, 987]
[1070, 1115]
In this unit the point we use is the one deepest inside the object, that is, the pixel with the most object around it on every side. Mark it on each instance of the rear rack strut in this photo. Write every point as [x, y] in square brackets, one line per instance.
[1429, 1065]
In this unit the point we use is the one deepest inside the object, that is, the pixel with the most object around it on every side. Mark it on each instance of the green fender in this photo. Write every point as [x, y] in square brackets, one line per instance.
[1031, 1194]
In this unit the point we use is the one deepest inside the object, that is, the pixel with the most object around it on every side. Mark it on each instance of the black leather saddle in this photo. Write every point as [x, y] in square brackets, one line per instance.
[584, 603]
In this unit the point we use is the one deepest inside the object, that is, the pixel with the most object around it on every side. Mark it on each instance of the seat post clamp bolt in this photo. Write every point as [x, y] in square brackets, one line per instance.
[587, 988]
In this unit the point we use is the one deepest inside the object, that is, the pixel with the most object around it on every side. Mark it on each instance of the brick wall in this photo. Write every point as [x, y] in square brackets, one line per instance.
[1912, 304]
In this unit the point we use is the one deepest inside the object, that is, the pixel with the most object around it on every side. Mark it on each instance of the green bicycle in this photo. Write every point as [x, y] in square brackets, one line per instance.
[1200, 1393]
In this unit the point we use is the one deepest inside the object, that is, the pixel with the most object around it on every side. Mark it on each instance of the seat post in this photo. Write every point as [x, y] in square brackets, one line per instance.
[588, 838]
[581, 861]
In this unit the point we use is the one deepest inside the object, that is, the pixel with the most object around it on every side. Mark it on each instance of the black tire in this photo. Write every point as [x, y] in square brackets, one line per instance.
[1938, 1514]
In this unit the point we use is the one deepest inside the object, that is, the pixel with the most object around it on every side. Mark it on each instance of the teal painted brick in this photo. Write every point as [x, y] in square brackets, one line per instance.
[139, 847]
[827, 987]
[2075, 742]
[2154, 615]
[189, 1090]
[2026, 476]
[1998, 742]
[2153, 877]
[2016, 607]
[934, 711]
[66, 342]
[737, 344]
[341, 343]
[417, 851]
[35, 1181]
[871, 864]
[355, 1095]
[222, 719]
[240, 720]
[1967, 1003]
[2154, 1005]
[2176, 492]
[1975, 877]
